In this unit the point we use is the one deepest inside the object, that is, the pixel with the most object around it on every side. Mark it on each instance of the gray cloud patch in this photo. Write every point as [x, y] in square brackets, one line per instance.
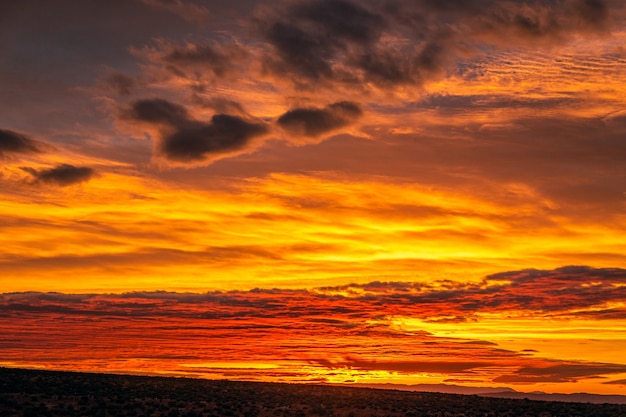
[13, 142]
[184, 139]
[314, 122]
[62, 175]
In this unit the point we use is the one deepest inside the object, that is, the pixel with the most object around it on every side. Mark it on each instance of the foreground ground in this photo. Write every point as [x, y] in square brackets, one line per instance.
[47, 393]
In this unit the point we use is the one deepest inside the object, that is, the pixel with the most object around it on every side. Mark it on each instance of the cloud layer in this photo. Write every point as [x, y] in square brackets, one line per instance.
[575, 292]
[212, 333]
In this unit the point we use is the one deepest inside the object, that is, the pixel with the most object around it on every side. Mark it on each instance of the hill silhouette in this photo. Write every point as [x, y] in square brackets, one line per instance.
[26, 393]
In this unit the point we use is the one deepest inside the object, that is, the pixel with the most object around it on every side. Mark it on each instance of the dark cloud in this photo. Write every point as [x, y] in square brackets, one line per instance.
[312, 34]
[386, 65]
[62, 175]
[344, 41]
[13, 142]
[315, 122]
[184, 139]
[392, 66]
[224, 133]
[290, 42]
[158, 111]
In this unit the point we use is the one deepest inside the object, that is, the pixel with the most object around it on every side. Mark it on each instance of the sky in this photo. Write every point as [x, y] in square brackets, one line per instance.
[316, 190]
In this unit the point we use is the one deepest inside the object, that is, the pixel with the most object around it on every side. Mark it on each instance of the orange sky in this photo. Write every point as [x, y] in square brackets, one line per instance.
[326, 190]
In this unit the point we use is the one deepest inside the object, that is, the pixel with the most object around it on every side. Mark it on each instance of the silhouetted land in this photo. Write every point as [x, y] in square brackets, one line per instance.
[48, 393]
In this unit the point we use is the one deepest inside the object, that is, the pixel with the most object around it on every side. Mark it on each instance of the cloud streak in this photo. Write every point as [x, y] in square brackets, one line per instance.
[62, 175]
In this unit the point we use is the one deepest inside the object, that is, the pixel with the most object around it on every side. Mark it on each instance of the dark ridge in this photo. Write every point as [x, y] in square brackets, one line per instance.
[55, 393]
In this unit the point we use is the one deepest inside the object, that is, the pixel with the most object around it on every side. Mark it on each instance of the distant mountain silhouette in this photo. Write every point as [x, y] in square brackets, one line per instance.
[442, 388]
[501, 392]
[579, 397]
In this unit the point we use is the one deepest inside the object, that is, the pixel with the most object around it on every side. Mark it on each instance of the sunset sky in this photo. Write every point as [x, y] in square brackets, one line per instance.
[390, 191]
